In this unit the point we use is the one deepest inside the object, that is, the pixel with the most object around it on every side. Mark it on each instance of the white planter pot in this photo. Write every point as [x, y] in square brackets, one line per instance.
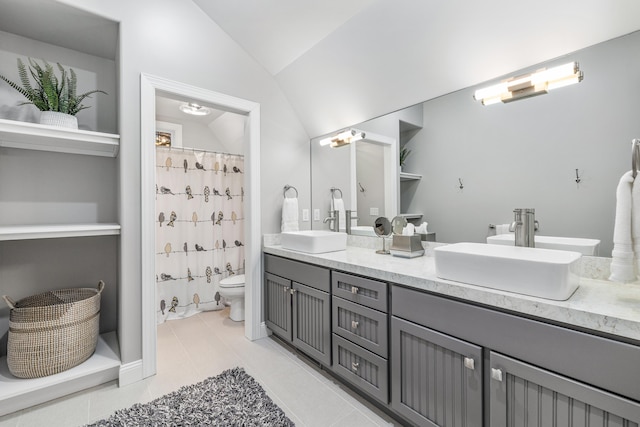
[54, 118]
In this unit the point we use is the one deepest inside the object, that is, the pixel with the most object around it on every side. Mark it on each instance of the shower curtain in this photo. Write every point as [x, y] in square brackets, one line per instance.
[199, 229]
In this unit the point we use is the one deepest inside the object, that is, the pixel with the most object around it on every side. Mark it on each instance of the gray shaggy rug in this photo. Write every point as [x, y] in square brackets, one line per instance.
[232, 398]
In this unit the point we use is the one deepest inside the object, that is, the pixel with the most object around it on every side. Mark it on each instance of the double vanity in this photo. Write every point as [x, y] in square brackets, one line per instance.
[437, 352]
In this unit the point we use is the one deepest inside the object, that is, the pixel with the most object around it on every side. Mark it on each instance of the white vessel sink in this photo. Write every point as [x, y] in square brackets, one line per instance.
[544, 273]
[314, 241]
[584, 246]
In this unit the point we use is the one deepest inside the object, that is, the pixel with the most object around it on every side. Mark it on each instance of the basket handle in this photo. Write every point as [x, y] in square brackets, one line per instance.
[9, 302]
[100, 287]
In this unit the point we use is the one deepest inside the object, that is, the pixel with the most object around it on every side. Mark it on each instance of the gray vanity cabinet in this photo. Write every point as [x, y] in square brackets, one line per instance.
[360, 333]
[436, 380]
[297, 305]
[520, 391]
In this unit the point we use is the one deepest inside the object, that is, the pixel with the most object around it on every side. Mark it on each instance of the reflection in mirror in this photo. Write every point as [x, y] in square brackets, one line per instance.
[521, 153]
[398, 224]
[365, 170]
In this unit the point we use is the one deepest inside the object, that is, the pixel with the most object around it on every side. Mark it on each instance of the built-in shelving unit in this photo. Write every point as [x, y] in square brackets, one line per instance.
[55, 231]
[103, 366]
[33, 136]
[67, 204]
[407, 176]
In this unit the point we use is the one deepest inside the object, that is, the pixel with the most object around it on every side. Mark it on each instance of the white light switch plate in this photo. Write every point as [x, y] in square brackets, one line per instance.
[305, 215]
[316, 214]
[374, 211]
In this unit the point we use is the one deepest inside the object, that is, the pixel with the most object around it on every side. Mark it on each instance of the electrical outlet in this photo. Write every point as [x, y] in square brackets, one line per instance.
[374, 211]
[305, 215]
[316, 214]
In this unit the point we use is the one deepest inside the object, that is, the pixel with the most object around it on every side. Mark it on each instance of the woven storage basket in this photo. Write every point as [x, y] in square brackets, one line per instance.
[52, 331]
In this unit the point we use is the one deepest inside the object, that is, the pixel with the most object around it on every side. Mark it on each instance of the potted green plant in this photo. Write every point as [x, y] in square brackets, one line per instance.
[54, 96]
[404, 153]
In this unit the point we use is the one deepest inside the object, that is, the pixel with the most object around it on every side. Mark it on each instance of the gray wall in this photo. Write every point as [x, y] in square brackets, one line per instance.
[156, 38]
[370, 174]
[524, 154]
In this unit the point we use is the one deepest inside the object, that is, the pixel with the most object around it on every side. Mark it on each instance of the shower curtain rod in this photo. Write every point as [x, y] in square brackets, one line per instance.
[198, 150]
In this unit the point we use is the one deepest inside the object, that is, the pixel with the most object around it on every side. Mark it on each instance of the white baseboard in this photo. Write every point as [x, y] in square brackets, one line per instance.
[130, 373]
[264, 331]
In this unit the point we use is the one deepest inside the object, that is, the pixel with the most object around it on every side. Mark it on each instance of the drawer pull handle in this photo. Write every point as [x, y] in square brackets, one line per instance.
[469, 363]
[496, 374]
[355, 366]
[354, 324]
[354, 290]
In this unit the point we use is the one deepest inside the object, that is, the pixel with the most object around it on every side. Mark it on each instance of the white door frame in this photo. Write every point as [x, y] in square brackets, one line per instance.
[149, 84]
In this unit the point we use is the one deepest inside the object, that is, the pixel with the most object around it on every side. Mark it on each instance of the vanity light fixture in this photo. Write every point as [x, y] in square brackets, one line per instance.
[529, 85]
[343, 138]
[194, 109]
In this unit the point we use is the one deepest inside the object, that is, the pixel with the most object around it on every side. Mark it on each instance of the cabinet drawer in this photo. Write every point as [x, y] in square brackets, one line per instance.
[310, 275]
[361, 368]
[362, 325]
[371, 293]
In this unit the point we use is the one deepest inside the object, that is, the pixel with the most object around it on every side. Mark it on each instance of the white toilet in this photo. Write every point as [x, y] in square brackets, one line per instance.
[232, 290]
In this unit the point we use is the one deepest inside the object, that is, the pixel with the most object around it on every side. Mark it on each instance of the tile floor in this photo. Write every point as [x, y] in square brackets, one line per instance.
[192, 349]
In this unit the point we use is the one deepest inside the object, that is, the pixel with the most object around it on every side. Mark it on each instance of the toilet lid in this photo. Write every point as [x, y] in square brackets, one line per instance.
[235, 281]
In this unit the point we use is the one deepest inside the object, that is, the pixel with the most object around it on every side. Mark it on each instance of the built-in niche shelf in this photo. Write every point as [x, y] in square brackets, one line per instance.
[55, 231]
[34, 136]
[103, 366]
[407, 176]
[409, 216]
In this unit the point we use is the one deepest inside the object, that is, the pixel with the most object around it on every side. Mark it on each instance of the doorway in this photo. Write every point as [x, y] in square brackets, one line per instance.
[150, 87]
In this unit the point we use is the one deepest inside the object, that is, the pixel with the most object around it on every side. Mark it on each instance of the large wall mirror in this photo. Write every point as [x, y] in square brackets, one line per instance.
[561, 153]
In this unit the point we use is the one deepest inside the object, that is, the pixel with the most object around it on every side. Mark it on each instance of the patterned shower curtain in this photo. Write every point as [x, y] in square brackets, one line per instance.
[199, 229]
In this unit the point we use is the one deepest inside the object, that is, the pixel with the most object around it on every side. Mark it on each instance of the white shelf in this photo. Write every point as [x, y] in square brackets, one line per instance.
[33, 136]
[102, 367]
[27, 232]
[406, 176]
[411, 215]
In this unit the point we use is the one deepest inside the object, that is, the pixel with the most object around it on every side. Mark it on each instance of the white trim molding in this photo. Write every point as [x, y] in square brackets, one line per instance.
[149, 84]
[130, 373]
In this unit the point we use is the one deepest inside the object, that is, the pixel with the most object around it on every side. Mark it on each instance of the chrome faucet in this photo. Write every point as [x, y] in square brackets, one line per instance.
[348, 219]
[524, 225]
[334, 218]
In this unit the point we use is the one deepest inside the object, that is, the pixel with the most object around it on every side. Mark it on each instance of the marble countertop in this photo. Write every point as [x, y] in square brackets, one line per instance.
[599, 305]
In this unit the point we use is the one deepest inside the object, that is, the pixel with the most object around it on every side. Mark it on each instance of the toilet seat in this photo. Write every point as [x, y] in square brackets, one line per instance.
[235, 281]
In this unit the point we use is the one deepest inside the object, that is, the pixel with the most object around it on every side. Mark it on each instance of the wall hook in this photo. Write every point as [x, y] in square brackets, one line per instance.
[461, 186]
[578, 179]
[362, 190]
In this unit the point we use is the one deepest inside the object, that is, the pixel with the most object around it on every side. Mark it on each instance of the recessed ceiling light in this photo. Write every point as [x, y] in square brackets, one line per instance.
[194, 109]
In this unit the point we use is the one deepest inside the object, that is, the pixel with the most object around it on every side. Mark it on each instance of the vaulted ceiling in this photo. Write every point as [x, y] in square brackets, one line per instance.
[340, 62]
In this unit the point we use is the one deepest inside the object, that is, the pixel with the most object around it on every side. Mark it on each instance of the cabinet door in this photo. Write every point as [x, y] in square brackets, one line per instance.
[277, 295]
[524, 395]
[312, 322]
[436, 380]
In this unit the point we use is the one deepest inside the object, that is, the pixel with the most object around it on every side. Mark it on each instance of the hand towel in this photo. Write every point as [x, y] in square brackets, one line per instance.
[290, 214]
[635, 223]
[338, 205]
[622, 264]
